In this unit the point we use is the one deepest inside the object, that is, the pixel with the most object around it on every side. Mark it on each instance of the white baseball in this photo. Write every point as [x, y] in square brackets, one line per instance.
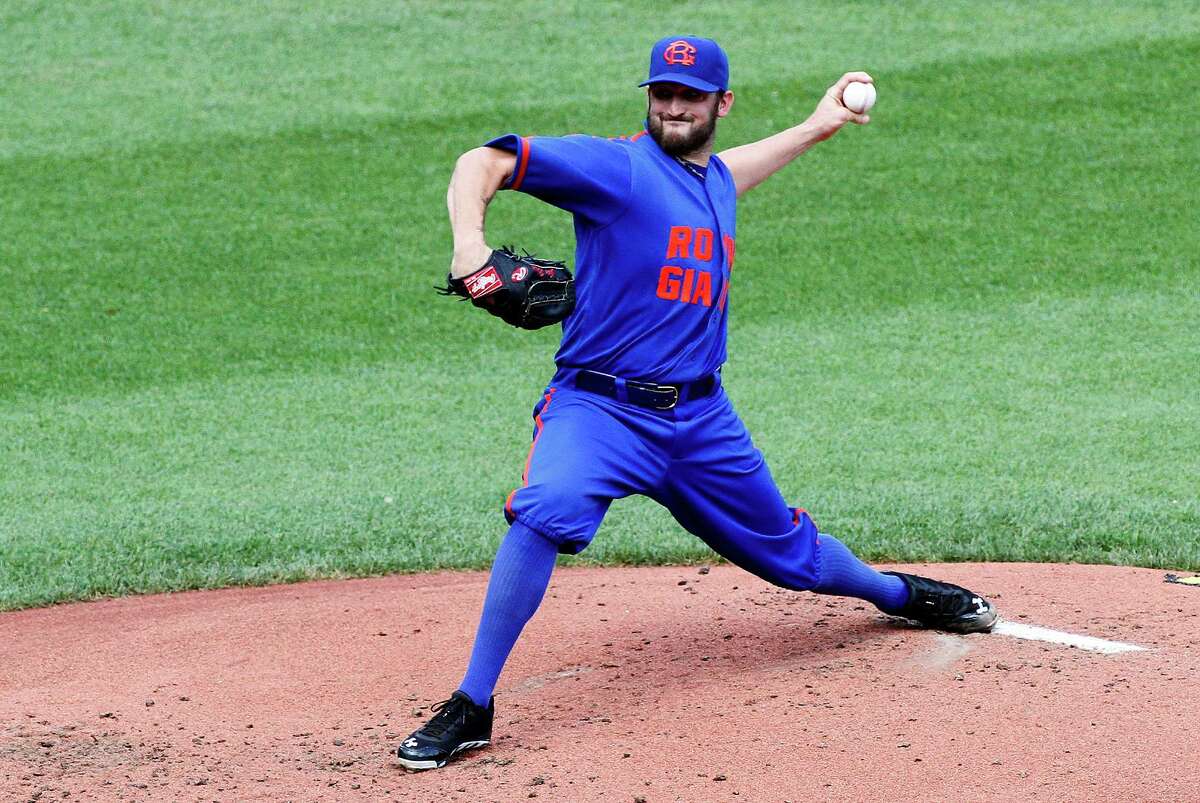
[858, 97]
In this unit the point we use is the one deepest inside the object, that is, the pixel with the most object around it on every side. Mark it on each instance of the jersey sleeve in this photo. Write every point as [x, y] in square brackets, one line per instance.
[588, 176]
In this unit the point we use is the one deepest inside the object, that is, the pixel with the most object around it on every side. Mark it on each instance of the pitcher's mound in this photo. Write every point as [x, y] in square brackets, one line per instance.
[655, 684]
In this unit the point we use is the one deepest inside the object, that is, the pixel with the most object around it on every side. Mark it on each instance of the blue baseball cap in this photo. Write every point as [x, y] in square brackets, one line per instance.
[689, 60]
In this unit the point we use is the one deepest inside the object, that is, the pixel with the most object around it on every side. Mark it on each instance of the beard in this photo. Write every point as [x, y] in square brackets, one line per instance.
[683, 143]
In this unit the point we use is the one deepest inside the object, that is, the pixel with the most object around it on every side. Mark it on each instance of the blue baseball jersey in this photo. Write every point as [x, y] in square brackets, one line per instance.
[654, 250]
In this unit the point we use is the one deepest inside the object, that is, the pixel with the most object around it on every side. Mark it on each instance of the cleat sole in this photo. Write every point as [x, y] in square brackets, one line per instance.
[417, 765]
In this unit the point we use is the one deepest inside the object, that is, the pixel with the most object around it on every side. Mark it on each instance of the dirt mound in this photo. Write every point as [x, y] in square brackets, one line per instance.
[656, 684]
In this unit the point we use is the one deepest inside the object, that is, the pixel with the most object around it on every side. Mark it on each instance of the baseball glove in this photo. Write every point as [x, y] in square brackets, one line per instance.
[525, 291]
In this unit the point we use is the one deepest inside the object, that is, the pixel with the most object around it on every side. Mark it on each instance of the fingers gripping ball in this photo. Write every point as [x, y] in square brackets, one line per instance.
[524, 291]
[858, 97]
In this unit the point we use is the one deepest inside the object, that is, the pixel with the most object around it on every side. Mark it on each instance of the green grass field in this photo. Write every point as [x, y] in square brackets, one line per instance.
[969, 331]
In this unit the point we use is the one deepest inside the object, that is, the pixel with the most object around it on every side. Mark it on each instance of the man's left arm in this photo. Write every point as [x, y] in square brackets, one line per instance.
[755, 162]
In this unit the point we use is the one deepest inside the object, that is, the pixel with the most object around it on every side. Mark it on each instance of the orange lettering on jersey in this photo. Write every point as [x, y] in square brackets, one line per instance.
[668, 282]
[689, 286]
[703, 292]
[678, 241]
[730, 248]
[704, 241]
[688, 277]
[725, 289]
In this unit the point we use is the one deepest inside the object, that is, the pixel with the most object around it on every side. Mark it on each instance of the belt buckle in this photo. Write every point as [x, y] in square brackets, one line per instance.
[674, 400]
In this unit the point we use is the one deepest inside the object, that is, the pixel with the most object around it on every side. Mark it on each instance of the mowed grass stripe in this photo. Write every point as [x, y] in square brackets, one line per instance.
[1045, 430]
[101, 75]
[319, 247]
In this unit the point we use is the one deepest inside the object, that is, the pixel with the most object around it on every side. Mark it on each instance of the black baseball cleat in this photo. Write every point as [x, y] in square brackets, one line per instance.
[945, 606]
[458, 725]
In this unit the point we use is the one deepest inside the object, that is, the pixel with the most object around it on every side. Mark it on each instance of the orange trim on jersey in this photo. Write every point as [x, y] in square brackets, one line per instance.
[539, 425]
[638, 135]
[522, 164]
[796, 515]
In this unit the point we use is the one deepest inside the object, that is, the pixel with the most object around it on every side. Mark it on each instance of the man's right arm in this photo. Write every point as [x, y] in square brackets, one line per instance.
[478, 176]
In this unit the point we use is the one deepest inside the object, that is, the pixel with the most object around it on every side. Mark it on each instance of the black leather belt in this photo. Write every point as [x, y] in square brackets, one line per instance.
[645, 394]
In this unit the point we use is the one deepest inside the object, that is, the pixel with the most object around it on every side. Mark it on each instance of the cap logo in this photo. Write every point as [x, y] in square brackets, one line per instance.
[680, 52]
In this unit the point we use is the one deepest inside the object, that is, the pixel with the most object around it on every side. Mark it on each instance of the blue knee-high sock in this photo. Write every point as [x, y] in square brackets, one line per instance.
[519, 579]
[846, 576]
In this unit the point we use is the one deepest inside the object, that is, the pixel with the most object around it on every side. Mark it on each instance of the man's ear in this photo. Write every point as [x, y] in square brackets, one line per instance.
[725, 105]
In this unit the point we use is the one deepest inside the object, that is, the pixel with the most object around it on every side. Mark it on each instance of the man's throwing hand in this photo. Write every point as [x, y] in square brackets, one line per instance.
[830, 114]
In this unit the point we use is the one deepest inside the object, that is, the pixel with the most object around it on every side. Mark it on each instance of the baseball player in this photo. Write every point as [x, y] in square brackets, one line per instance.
[636, 405]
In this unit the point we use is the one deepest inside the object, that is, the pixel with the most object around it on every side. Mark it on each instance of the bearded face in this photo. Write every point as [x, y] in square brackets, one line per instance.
[681, 120]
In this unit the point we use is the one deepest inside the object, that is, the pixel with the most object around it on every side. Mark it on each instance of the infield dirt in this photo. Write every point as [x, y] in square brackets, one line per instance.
[658, 684]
